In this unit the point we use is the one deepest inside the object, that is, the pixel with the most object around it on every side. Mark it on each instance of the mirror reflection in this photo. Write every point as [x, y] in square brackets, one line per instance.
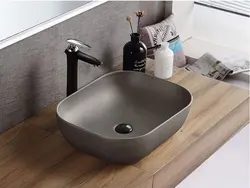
[18, 16]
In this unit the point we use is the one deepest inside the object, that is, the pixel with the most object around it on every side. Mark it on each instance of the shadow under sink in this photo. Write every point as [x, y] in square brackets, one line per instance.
[122, 116]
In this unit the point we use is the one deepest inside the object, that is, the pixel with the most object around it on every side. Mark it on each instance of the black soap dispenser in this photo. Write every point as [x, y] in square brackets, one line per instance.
[134, 54]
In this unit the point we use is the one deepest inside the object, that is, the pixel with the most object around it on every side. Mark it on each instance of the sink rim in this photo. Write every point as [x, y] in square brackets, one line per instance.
[121, 138]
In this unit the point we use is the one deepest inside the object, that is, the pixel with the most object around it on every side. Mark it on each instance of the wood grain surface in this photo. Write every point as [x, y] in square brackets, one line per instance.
[33, 154]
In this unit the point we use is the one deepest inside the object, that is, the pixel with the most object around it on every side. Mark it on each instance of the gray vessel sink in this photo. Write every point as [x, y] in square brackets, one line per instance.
[98, 118]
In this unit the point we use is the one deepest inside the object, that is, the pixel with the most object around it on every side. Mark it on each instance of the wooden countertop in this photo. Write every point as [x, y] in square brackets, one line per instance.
[34, 154]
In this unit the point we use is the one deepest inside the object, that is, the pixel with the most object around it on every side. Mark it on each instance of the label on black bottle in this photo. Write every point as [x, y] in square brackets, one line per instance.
[140, 65]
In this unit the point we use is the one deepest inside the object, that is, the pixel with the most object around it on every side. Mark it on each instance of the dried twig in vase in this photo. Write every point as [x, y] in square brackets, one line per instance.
[128, 18]
[139, 14]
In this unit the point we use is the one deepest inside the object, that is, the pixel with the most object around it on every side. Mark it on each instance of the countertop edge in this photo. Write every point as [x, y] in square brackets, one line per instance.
[176, 173]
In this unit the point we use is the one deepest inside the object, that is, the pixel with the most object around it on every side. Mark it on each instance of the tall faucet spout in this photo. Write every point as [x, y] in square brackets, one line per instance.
[73, 54]
[88, 59]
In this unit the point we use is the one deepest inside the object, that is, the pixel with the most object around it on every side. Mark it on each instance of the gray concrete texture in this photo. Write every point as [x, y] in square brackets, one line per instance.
[33, 71]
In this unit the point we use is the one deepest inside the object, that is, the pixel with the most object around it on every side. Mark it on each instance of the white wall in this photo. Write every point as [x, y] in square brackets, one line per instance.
[18, 16]
[226, 168]
[222, 28]
[212, 26]
[183, 11]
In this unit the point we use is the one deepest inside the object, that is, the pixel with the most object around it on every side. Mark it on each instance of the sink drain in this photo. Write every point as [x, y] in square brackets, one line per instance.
[123, 128]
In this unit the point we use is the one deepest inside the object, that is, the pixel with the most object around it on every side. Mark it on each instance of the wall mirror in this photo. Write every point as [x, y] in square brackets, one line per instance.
[20, 19]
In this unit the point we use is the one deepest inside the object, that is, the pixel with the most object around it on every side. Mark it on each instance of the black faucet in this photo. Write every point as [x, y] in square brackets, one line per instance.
[73, 54]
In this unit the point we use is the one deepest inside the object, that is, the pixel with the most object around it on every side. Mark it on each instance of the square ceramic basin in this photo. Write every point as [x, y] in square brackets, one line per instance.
[122, 116]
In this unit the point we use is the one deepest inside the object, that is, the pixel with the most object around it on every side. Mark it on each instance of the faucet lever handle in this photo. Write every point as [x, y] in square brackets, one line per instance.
[73, 43]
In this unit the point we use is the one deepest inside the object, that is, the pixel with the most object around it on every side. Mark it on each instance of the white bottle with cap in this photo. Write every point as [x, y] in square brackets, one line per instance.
[164, 61]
